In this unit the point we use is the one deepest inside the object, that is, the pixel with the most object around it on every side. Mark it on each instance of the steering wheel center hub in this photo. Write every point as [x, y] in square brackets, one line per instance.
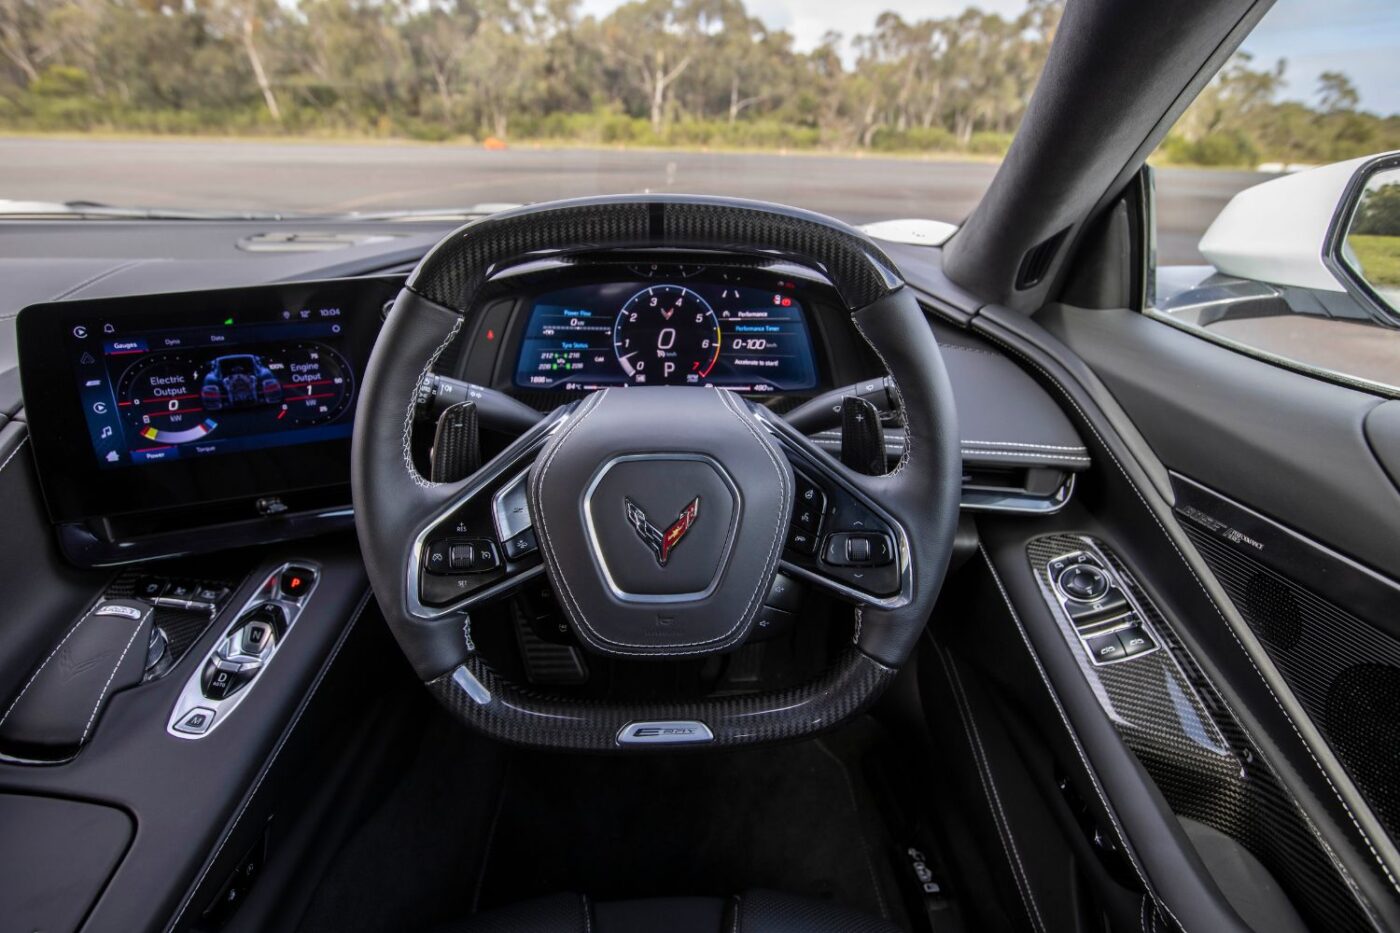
[661, 515]
[661, 526]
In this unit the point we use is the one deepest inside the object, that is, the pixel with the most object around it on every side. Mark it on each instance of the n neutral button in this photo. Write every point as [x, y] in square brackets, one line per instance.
[196, 722]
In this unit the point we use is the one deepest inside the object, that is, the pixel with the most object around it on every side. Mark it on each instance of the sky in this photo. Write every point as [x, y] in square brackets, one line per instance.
[1358, 37]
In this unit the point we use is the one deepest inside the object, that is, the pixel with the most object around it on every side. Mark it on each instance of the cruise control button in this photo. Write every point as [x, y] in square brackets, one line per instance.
[803, 542]
[461, 557]
[436, 559]
[1105, 648]
[486, 558]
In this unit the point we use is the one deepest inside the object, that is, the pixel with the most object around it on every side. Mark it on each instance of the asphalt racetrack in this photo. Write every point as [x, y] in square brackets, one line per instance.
[314, 176]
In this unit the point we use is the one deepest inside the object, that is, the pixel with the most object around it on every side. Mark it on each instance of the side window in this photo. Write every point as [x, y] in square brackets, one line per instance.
[1301, 265]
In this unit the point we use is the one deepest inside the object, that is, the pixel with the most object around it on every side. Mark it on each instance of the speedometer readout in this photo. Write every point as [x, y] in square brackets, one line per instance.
[666, 334]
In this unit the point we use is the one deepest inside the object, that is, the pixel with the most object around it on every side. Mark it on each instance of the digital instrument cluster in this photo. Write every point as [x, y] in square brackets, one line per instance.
[673, 326]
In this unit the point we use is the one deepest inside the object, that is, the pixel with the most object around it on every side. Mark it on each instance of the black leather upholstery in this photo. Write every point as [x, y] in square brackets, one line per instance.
[751, 912]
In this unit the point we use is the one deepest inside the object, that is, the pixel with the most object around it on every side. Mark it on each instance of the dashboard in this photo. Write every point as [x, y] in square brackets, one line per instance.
[200, 420]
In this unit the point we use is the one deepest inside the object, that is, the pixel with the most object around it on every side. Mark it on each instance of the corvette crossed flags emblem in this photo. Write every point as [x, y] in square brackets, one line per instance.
[662, 543]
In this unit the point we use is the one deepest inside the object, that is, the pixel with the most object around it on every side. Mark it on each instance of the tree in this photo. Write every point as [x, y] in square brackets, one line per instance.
[1336, 93]
[655, 41]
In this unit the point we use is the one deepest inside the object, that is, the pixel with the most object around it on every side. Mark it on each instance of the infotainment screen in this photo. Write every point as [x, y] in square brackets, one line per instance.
[692, 331]
[154, 389]
[160, 402]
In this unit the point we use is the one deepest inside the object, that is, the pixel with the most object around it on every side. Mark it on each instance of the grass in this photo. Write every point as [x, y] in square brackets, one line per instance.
[1379, 257]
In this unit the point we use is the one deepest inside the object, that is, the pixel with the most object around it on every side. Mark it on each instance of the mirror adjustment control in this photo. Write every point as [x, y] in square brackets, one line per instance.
[1083, 582]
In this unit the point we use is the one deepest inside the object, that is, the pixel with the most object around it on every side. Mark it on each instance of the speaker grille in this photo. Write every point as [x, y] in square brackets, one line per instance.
[1363, 721]
[1271, 611]
[1344, 671]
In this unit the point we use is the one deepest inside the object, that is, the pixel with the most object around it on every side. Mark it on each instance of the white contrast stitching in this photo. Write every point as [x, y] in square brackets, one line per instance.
[118, 666]
[1073, 448]
[35, 676]
[836, 433]
[1074, 736]
[413, 473]
[22, 442]
[984, 775]
[1228, 627]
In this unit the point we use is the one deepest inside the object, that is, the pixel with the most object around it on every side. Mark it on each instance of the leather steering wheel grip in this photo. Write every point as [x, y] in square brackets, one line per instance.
[393, 502]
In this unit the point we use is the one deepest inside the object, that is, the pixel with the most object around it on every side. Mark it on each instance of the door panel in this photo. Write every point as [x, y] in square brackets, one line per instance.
[1286, 487]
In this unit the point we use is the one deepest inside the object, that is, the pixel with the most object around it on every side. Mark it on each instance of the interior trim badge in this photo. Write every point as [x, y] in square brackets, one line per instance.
[662, 543]
[674, 732]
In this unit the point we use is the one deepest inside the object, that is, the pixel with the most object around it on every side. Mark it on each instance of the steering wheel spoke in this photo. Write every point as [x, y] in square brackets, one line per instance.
[481, 543]
[839, 536]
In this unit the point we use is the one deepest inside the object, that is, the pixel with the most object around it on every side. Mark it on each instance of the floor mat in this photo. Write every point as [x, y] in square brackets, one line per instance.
[788, 817]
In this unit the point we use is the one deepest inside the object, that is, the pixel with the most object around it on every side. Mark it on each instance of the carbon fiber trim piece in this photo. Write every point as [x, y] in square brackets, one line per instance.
[526, 717]
[1197, 753]
[453, 272]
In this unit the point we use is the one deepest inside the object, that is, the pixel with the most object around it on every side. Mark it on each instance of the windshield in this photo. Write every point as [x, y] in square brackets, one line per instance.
[864, 112]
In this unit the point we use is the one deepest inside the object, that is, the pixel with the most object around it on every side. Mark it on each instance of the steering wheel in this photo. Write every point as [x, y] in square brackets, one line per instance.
[660, 515]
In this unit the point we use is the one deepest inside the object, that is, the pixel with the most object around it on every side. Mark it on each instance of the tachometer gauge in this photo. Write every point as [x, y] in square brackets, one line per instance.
[666, 334]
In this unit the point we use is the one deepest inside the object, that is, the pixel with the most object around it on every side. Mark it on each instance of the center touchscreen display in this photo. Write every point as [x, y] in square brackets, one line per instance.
[222, 383]
[161, 402]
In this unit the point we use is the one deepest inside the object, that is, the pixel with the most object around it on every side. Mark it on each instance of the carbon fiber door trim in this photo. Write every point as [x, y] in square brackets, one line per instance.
[1206, 766]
